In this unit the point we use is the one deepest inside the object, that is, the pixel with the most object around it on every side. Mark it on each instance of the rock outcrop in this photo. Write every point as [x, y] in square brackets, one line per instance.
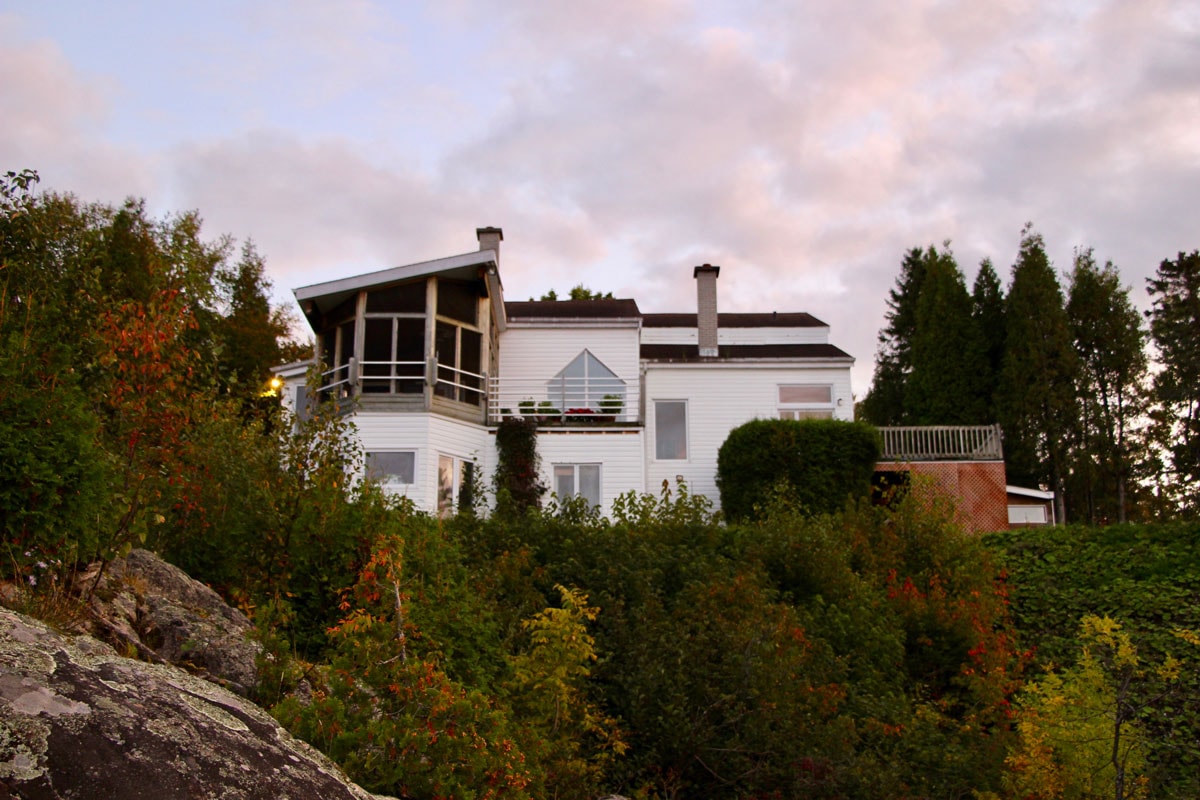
[145, 604]
[79, 721]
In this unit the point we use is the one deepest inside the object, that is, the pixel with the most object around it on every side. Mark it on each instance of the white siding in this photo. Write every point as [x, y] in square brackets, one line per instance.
[430, 436]
[763, 335]
[719, 399]
[620, 454]
[541, 353]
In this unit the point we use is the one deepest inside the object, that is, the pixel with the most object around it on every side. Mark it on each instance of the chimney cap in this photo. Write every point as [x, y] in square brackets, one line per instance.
[716, 271]
[481, 232]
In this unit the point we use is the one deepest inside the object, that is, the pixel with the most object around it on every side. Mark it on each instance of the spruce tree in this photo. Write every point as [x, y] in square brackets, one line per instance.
[1175, 326]
[943, 387]
[1110, 340]
[1037, 381]
[884, 404]
[987, 301]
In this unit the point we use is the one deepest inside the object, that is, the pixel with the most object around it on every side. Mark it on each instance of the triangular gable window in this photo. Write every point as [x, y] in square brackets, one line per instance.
[586, 383]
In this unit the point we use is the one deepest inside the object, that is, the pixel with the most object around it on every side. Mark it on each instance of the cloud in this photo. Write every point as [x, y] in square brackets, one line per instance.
[51, 117]
[621, 142]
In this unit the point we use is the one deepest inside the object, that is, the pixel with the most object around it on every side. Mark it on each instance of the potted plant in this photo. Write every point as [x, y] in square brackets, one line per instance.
[610, 407]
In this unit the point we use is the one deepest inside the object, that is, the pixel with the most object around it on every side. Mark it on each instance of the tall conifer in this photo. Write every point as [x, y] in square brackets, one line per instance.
[1175, 325]
[1037, 382]
[884, 404]
[987, 312]
[944, 385]
[1110, 340]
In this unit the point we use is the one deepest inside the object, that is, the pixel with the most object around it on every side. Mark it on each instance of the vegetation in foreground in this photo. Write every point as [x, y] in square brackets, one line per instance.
[858, 652]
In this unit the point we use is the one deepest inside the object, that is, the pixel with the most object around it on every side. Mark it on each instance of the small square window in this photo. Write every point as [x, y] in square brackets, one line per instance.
[578, 479]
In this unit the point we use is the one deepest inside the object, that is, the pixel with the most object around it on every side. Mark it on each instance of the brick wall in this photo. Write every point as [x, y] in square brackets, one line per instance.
[977, 489]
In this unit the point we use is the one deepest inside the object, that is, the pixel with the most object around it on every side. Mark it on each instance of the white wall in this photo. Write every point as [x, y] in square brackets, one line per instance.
[429, 435]
[719, 399]
[541, 352]
[621, 454]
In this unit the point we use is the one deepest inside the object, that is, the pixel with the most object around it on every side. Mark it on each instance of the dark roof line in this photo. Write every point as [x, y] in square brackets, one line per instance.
[690, 352]
[797, 319]
[572, 309]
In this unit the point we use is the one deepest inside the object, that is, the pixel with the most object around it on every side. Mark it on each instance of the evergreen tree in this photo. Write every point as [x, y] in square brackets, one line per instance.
[987, 301]
[1110, 341]
[1175, 326]
[943, 387]
[884, 404]
[1037, 381]
[252, 331]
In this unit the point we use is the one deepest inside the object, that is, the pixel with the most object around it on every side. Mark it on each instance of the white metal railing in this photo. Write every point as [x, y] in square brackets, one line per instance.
[461, 385]
[391, 377]
[942, 443]
[564, 400]
[404, 377]
[337, 382]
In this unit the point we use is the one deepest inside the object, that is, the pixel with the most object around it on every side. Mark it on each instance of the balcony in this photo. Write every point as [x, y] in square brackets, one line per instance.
[564, 401]
[942, 443]
[401, 385]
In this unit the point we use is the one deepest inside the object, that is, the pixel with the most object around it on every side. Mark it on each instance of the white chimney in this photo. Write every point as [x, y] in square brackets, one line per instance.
[706, 308]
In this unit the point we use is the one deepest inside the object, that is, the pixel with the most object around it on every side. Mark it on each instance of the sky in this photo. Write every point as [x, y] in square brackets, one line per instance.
[803, 147]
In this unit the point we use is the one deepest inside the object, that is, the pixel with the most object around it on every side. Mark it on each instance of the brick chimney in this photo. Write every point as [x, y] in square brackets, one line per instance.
[490, 239]
[706, 308]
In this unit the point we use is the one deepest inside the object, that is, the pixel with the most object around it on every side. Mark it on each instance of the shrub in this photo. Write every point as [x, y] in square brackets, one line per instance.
[822, 462]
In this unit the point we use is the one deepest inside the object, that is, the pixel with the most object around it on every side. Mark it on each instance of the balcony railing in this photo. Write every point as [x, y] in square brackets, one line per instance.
[379, 378]
[942, 443]
[563, 400]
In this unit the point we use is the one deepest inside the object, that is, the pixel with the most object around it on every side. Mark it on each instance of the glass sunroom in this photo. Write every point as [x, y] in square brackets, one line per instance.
[420, 337]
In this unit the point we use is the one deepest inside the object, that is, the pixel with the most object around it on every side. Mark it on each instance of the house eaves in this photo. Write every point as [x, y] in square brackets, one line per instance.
[807, 354]
[324, 296]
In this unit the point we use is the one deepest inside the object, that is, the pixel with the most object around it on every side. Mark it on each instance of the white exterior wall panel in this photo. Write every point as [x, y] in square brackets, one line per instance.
[622, 456]
[429, 435]
[541, 352]
[719, 398]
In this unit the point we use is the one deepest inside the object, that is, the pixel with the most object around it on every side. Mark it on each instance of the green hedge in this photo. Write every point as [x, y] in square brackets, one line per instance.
[823, 462]
[1147, 577]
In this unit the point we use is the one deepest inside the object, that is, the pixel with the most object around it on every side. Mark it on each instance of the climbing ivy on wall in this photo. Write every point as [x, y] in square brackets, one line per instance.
[517, 481]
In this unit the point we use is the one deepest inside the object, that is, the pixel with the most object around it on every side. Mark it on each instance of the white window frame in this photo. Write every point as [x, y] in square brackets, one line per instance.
[387, 483]
[687, 444]
[805, 410]
[577, 483]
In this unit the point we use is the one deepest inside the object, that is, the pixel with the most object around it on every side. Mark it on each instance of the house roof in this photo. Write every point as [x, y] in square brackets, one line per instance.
[330, 294]
[572, 309]
[797, 319]
[776, 352]
[1021, 491]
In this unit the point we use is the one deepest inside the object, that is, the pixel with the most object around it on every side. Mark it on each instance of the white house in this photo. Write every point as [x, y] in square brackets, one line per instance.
[428, 358]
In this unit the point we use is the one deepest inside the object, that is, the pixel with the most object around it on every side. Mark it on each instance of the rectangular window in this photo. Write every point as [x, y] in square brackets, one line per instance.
[458, 300]
[393, 355]
[805, 401]
[1026, 515]
[447, 485]
[405, 298]
[670, 430]
[578, 479]
[392, 468]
